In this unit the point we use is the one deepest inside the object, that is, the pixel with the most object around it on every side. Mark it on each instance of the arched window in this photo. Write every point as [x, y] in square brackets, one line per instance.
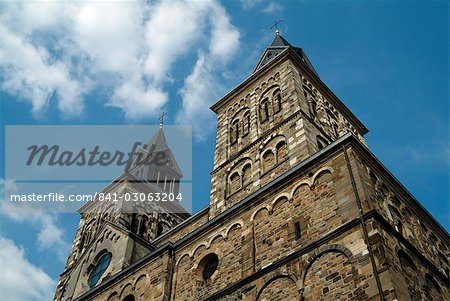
[235, 182]
[397, 217]
[335, 128]
[264, 110]
[373, 177]
[234, 131]
[432, 289]
[334, 124]
[433, 238]
[405, 260]
[100, 268]
[277, 100]
[246, 123]
[312, 107]
[88, 236]
[281, 151]
[394, 212]
[321, 142]
[399, 227]
[246, 173]
[142, 225]
[320, 145]
[409, 271]
[269, 160]
[161, 228]
[129, 298]
[135, 219]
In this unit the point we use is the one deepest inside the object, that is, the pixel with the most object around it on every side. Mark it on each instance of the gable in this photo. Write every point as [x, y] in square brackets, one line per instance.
[110, 239]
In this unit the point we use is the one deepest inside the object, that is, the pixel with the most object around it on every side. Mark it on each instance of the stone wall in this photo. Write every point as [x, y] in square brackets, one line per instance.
[412, 276]
[149, 282]
[262, 255]
[257, 238]
[406, 216]
[184, 228]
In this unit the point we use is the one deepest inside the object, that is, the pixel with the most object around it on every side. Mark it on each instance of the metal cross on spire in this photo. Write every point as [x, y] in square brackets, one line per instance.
[277, 30]
[161, 119]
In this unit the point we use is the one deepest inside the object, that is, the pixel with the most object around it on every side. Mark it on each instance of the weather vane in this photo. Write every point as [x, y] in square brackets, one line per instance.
[161, 119]
[277, 30]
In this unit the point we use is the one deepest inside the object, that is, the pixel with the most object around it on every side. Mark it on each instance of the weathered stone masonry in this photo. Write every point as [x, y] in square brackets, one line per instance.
[300, 209]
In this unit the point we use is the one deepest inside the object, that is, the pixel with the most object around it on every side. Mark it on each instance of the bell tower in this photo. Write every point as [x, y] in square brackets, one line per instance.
[113, 234]
[279, 116]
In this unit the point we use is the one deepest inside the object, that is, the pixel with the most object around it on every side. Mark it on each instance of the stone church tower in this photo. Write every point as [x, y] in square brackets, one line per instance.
[300, 209]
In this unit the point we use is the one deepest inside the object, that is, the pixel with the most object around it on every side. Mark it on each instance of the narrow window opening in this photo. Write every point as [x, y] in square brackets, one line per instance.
[142, 225]
[399, 227]
[277, 101]
[265, 110]
[246, 125]
[298, 231]
[312, 107]
[320, 145]
[159, 230]
[321, 142]
[234, 132]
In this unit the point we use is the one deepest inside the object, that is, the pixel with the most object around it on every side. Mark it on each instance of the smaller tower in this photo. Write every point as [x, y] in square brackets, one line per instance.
[113, 235]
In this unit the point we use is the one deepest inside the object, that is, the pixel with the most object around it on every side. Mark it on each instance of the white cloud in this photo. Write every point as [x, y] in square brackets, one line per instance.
[60, 51]
[168, 40]
[200, 87]
[203, 85]
[225, 37]
[50, 236]
[29, 72]
[136, 100]
[20, 280]
[273, 7]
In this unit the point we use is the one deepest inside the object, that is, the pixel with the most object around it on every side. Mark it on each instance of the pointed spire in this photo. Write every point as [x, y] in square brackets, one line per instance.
[279, 45]
[279, 41]
[158, 140]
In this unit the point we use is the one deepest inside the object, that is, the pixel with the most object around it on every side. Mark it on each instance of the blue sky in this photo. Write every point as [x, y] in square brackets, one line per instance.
[125, 62]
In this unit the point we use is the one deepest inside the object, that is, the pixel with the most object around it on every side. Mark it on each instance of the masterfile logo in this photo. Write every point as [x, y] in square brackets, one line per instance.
[60, 168]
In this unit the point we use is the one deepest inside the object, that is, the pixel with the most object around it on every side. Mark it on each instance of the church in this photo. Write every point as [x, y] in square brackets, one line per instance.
[300, 209]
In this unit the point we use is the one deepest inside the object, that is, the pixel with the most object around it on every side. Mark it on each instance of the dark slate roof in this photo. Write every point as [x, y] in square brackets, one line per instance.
[159, 140]
[279, 44]
[279, 41]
